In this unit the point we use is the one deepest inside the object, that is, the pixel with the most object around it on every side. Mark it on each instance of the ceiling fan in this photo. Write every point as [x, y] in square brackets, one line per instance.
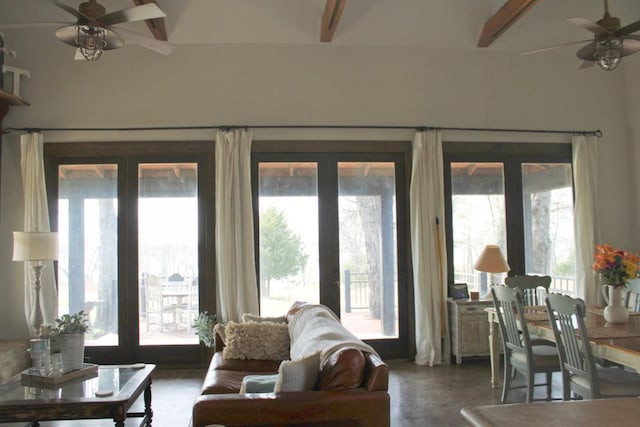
[610, 41]
[95, 30]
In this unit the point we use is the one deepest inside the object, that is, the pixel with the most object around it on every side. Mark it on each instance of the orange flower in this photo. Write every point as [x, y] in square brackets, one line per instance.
[615, 266]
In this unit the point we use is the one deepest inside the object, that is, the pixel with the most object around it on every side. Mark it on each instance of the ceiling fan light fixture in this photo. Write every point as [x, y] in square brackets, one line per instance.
[91, 40]
[608, 53]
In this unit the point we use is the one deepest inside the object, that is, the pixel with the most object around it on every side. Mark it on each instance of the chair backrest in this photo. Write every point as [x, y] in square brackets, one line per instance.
[176, 277]
[510, 313]
[153, 293]
[530, 286]
[576, 358]
[632, 298]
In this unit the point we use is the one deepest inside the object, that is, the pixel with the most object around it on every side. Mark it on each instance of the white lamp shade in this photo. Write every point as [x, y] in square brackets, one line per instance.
[35, 246]
[492, 261]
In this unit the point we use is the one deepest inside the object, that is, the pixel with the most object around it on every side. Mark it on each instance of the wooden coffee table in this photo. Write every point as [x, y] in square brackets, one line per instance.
[109, 394]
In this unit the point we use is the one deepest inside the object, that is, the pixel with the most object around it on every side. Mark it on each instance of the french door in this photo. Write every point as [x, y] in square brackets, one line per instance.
[331, 229]
[516, 196]
[133, 244]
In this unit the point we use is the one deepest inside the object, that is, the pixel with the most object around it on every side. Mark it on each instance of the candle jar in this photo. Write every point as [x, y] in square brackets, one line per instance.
[56, 364]
[39, 350]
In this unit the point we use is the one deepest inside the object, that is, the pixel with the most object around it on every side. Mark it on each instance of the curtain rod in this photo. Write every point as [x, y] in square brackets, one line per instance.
[596, 132]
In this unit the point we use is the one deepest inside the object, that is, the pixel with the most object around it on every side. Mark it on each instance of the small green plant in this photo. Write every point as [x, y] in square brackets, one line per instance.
[72, 323]
[203, 327]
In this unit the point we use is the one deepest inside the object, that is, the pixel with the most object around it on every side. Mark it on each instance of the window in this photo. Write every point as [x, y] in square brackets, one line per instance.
[88, 230]
[131, 220]
[516, 196]
[332, 230]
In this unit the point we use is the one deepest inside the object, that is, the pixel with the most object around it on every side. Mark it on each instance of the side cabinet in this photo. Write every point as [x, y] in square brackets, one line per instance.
[469, 327]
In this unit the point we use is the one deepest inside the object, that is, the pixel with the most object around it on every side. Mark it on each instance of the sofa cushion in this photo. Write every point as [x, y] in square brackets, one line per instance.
[225, 375]
[342, 370]
[253, 366]
[298, 375]
[222, 382]
[256, 340]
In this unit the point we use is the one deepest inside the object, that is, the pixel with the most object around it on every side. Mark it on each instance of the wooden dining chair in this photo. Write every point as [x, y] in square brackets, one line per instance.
[632, 297]
[580, 374]
[156, 311]
[534, 290]
[519, 353]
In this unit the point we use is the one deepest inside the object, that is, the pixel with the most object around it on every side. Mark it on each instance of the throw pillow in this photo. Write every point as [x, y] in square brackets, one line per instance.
[258, 383]
[298, 375]
[256, 340]
[248, 317]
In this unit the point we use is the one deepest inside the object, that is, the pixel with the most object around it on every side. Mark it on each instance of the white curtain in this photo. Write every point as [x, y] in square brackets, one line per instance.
[36, 218]
[585, 176]
[428, 249]
[236, 284]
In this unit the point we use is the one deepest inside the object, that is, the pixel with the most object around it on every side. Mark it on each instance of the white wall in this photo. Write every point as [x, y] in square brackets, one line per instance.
[278, 84]
[632, 111]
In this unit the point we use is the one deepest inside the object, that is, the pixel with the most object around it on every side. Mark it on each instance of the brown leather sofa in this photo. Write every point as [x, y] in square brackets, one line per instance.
[351, 390]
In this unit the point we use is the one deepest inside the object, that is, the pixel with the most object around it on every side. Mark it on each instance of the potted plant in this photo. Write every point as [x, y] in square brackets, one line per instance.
[203, 327]
[70, 329]
[615, 267]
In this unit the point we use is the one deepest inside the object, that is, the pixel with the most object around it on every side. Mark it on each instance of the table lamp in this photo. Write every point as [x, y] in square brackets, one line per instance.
[35, 247]
[491, 261]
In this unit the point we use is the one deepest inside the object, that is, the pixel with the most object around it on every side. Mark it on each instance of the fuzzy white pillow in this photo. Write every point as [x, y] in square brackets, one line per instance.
[256, 340]
[298, 375]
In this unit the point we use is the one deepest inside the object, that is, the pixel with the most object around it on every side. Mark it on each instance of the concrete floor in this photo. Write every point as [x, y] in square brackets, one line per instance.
[420, 396]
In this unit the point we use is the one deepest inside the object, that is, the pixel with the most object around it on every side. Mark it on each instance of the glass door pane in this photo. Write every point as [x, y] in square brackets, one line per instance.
[547, 193]
[167, 252]
[368, 258]
[289, 256]
[478, 219]
[87, 264]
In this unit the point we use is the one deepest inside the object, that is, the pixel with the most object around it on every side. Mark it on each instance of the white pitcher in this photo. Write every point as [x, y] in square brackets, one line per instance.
[615, 311]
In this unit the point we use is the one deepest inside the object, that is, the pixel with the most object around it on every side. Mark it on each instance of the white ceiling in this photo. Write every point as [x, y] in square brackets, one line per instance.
[399, 23]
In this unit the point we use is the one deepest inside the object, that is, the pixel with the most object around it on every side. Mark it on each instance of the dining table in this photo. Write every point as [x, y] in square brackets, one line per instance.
[615, 342]
[620, 412]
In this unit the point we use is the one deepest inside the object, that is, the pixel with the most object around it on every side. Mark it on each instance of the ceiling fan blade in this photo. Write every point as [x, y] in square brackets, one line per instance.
[544, 49]
[588, 25]
[587, 64]
[68, 9]
[587, 52]
[630, 45]
[132, 14]
[159, 46]
[628, 29]
[32, 25]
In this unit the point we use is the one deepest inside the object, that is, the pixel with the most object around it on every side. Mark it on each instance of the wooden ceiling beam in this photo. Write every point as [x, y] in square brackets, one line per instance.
[156, 26]
[330, 18]
[503, 19]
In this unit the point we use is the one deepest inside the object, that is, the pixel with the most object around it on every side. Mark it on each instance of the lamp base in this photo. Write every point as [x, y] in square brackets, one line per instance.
[36, 319]
[488, 294]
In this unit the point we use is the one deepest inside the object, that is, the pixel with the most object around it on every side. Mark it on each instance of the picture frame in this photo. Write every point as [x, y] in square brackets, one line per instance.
[458, 291]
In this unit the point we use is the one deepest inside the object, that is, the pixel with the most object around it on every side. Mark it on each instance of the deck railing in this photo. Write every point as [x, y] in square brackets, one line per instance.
[559, 284]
